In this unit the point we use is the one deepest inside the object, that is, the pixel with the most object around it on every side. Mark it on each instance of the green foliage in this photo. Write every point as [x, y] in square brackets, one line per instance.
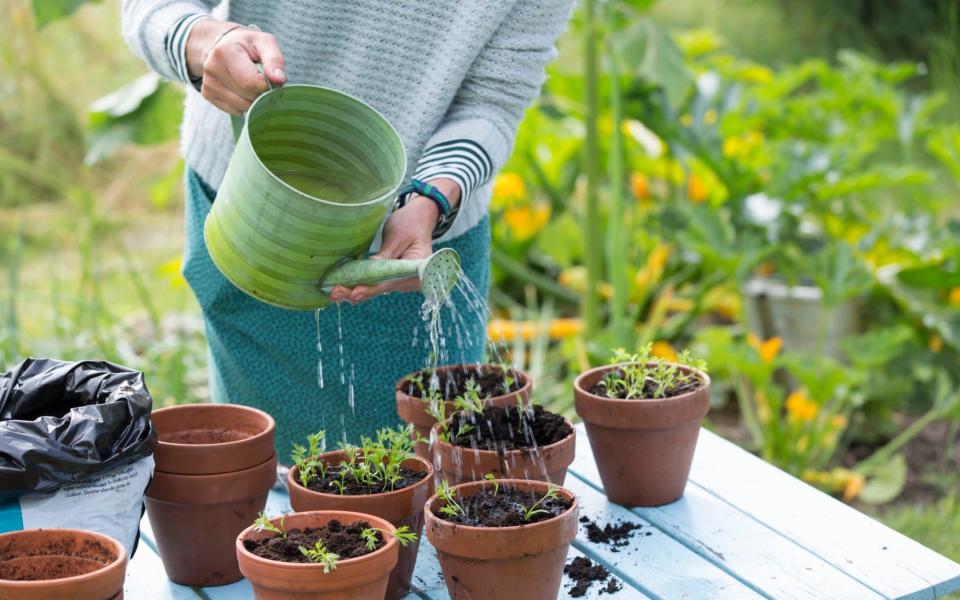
[403, 535]
[532, 511]
[307, 458]
[493, 479]
[641, 371]
[321, 554]
[48, 11]
[451, 508]
[263, 524]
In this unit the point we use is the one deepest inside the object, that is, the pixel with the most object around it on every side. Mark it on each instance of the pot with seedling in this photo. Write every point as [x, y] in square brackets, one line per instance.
[427, 394]
[326, 555]
[215, 465]
[522, 441]
[38, 564]
[502, 539]
[382, 477]
[642, 416]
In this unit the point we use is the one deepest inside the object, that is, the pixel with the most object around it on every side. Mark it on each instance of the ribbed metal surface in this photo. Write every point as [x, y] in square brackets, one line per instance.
[312, 177]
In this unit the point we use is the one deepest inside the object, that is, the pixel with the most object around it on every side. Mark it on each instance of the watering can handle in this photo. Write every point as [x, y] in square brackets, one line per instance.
[237, 121]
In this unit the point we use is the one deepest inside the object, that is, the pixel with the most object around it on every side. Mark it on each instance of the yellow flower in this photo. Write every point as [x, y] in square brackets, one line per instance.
[853, 487]
[768, 350]
[663, 349]
[686, 120]
[524, 221]
[557, 329]
[838, 421]
[640, 186]
[696, 189]
[741, 146]
[955, 295]
[800, 407]
[803, 442]
[508, 189]
[935, 343]
[710, 116]
[756, 74]
[652, 270]
[763, 409]
[172, 272]
[574, 278]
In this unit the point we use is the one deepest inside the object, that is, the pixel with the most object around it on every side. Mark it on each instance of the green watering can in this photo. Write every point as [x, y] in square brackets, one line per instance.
[314, 174]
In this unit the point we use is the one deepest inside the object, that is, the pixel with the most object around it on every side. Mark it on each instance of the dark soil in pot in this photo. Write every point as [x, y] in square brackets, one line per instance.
[343, 540]
[649, 388]
[507, 428]
[203, 436]
[452, 381]
[351, 487]
[506, 507]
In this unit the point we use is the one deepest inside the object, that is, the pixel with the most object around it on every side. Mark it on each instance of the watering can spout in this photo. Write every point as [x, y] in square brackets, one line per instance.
[438, 273]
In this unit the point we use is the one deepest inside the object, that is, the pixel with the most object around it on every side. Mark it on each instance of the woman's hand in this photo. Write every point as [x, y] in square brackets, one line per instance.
[408, 233]
[231, 81]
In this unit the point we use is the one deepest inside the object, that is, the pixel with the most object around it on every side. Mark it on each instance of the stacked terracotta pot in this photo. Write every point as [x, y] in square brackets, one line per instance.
[215, 465]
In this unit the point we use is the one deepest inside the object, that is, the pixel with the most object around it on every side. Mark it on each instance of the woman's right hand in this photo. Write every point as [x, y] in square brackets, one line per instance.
[231, 81]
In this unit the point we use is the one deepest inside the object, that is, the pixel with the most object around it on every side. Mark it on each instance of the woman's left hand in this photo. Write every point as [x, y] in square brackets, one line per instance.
[408, 233]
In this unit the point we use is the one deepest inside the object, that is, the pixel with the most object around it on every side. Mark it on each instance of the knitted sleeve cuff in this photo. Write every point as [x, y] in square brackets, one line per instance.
[176, 44]
[150, 28]
[467, 151]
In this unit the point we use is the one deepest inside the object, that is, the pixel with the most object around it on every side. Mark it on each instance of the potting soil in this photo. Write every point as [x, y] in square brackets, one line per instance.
[506, 508]
[615, 536]
[352, 487]
[342, 540]
[452, 383]
[649, 388]
[509, 428]
[584, 572]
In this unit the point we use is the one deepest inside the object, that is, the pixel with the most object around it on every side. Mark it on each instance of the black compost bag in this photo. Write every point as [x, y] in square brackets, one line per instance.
[62, 422]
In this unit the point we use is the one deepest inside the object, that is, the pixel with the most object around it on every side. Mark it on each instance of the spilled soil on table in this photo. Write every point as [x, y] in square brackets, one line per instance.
[585, 573]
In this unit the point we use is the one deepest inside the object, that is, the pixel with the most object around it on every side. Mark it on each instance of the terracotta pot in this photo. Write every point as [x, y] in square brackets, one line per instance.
[79, 565]
[643, 448]
[412, 409]
[363, 578]
[461, 465]
[196, 518]
[401, 507]
[203, 439]
[503, 563]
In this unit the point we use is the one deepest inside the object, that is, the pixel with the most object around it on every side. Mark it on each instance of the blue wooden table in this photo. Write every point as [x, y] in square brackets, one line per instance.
[744, 529]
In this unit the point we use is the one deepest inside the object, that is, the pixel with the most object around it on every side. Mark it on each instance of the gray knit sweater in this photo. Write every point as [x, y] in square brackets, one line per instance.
[453, 76]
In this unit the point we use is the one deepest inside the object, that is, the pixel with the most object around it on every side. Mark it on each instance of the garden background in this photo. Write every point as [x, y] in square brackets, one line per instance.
[771, 183]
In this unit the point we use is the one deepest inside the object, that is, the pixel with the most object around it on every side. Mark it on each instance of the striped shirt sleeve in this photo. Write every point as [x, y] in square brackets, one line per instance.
[462, 160]
[175, 43]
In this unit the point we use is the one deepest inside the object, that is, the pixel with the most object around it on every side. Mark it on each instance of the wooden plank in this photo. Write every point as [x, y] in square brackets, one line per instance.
[865, 549]
[146, 579]
[655, 564]
[737, 544]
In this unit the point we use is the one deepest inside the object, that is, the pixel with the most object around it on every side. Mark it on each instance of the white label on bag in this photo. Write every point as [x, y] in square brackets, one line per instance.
[110, 504]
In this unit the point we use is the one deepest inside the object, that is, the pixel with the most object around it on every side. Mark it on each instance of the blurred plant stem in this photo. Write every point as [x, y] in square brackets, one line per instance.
[591, 157]
[617, 221]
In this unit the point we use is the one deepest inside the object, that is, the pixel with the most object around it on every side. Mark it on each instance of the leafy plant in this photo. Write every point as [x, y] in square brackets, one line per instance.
[532, 511]
[451, 507]
[493, 479]
[263, 524]
[321, 554]
[643, 375]
[307, 459]
[403, 535]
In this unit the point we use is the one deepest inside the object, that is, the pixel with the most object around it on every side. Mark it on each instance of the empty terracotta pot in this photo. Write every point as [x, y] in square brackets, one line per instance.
[45, 564]
[202, 439]
[412, 409]
[215, 467]
[400, 507]
[502, 563]
[362, 578]
[548, 463]
[643, 448]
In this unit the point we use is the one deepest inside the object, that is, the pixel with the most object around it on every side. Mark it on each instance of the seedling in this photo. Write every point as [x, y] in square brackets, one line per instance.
[533, 511]
[403, 535]
[493, 479]
[307, 459]
[452, 508]
[376, 463]
[642, 375]
[263, 524]
[508, 380]
[320, 554]
[470, 401]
